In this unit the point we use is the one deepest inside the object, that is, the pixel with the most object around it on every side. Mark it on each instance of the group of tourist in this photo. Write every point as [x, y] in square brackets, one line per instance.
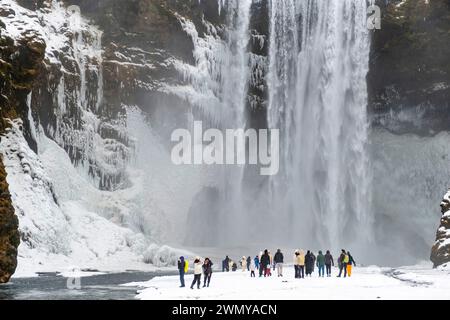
[265, 262]
[200, 268]
[305, 263]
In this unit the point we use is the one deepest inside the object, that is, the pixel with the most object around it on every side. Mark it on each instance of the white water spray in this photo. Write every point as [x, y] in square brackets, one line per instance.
[319, 54]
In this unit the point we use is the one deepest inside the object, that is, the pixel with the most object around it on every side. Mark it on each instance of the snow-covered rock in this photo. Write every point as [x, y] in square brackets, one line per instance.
[440, 253]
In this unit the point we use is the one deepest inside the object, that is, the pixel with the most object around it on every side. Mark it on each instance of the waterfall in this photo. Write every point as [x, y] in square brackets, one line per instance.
[319, 53]
[218, 87]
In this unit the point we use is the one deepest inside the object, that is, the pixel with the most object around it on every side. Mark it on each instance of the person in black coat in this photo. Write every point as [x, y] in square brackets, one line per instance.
[249, 260]
[328, 262]
[265, 261]
[226, 264]
[309, 263]
[207, 271]
[279, 260]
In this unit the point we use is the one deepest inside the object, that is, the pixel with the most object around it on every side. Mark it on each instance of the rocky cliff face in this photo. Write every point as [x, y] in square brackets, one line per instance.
[409, 78]
[440, 253]
[20, 65]
[71, 79]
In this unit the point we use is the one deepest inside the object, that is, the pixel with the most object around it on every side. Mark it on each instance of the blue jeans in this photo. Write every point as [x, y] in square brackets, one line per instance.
[321, 271]
[182, 277]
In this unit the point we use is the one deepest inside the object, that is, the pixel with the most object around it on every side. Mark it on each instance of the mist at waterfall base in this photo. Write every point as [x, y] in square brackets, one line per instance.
[341, 184]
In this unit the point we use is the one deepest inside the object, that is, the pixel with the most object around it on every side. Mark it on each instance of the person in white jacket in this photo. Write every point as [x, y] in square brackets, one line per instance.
[244, 264]
[197, 272]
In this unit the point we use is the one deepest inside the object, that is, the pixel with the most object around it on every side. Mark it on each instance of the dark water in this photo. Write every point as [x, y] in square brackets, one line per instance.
[52, 286]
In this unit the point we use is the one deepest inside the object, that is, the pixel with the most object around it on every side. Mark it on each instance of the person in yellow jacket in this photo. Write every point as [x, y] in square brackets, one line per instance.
[350, 262]
[301, 264]
[343, 262]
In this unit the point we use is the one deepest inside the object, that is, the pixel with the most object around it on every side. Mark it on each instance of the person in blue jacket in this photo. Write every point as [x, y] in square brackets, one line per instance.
[257, 262]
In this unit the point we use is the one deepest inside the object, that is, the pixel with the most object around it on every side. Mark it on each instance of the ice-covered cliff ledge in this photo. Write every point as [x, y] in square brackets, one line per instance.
[59, 225]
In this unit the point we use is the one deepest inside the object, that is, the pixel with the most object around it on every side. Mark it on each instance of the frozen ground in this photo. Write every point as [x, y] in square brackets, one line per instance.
[418, 282]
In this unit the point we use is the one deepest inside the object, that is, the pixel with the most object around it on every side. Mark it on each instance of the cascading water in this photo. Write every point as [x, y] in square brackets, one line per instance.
[317, 97]
[220, 80]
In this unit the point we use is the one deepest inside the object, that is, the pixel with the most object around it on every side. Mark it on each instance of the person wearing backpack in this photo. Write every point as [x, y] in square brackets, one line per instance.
[343, 258]
[181, 269]
[349, 265]
[320, 262]
[197, 273]
[328, 262]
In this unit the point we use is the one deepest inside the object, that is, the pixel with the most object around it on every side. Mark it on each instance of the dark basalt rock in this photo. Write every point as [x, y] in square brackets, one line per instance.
[9, 234]
[20, 65]
[409, 78]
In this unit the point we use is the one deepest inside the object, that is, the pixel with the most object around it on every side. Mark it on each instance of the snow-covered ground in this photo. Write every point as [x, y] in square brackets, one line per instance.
[417, 282]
